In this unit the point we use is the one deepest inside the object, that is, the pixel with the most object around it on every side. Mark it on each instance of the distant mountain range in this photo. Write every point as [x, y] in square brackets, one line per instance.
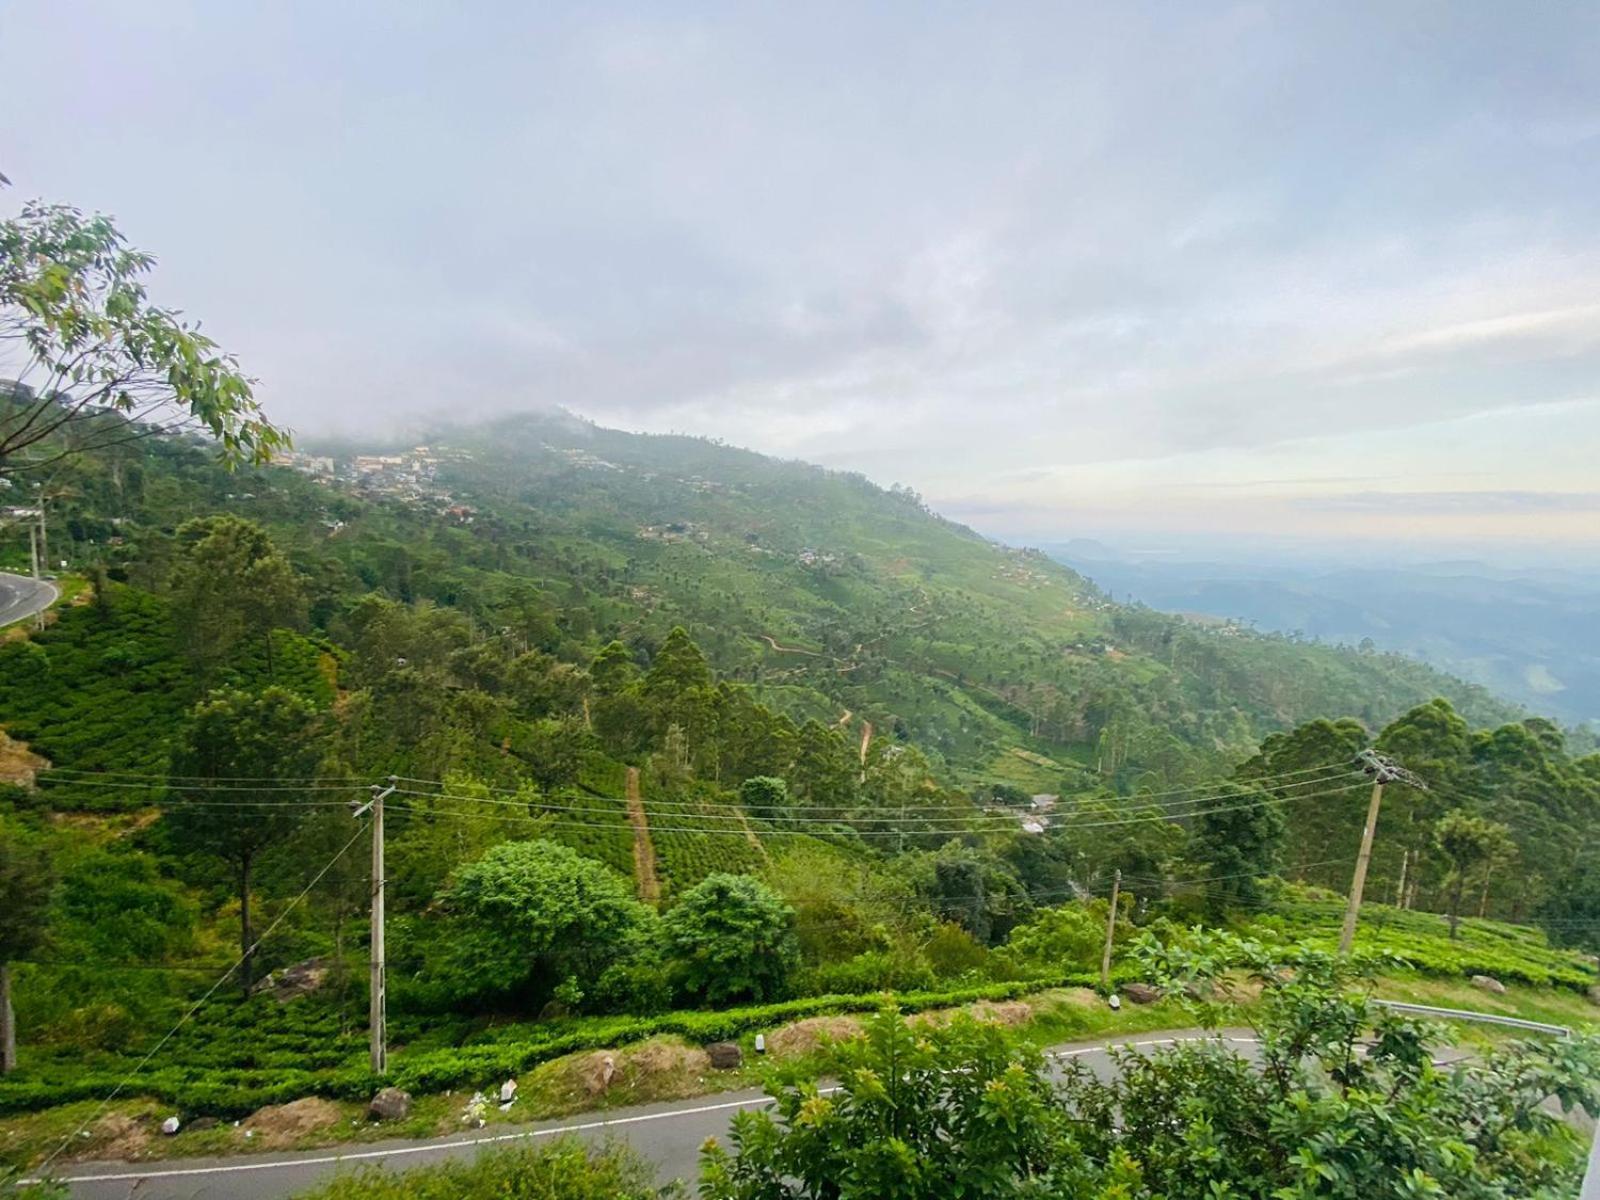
[1530, 635]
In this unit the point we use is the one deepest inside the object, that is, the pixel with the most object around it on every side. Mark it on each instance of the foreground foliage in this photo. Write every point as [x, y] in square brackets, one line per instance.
[1343, 1101]
[562, 1170]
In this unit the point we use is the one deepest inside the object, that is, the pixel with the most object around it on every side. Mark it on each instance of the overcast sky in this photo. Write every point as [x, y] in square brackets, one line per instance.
[1317, 270]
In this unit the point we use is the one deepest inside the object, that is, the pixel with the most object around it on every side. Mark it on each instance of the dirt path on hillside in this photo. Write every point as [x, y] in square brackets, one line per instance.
[750, 836]
[866, 740]
[773, 642]
[644, 850]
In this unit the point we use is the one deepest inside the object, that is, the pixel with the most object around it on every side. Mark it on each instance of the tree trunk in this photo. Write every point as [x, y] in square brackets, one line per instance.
[1483, 900]
[8, 1023]
[247, 959]
[1455, 906]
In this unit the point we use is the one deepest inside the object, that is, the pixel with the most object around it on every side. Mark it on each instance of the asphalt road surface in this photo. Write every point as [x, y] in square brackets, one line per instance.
[22, 597]
[669, 1135]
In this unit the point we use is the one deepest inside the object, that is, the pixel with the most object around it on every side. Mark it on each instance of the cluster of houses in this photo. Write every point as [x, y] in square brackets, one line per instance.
[410, 476]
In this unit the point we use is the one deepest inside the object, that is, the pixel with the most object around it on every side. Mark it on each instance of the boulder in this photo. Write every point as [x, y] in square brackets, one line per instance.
[171, 1126]
[1488, 983]
[203, 1123]
[1594, 994]
[390, 1104]
[725, 1055]
[291, 983]
[508, 1091]
[597, 1072]
[1141, 993]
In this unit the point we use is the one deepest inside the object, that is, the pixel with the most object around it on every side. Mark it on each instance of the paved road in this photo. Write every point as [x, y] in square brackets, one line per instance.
[669, 1135]
[22, 597]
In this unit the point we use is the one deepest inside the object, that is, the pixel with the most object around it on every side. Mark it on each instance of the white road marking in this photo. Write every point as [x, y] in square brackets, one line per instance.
[427, 1148]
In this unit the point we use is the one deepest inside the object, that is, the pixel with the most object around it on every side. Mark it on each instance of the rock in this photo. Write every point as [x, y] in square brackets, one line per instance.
[1594, 994]
[597, 1071]
[170, 1126]
[1115, 1002]
[725, 1055]
[293, 982]
[508, 1091]
[203, 1123]
[761, 1043]
[1488, 983]
[390, 1104]
[299, 980]
[1141, 993]
[283, 1125]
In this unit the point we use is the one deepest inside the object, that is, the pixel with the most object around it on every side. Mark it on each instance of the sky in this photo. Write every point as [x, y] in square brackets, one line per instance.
[1275, 271]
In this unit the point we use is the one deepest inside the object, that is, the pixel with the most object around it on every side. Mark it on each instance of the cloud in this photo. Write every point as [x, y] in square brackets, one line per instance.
[1455, 503]
[1114, 254]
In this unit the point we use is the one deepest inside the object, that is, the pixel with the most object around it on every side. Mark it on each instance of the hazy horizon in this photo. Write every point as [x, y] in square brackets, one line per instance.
[1232, 270]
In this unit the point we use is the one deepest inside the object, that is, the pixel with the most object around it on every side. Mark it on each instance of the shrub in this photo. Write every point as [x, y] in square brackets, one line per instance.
[960, 1110]
[874, 971]
[530, 914]
[953, 951]
[732, 938]
[559, 1170]
[1068, 937]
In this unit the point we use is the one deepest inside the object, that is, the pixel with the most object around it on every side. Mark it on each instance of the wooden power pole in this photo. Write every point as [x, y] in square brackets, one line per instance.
[377, 1012]
[1111, 929]
[1383, 770]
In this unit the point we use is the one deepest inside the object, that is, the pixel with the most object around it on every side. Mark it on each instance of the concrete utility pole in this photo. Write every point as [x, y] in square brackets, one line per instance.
[377, 1012]
[1383, 770]
[44, 535]
[34, 555]
[1591, 1177]
[1111, 929]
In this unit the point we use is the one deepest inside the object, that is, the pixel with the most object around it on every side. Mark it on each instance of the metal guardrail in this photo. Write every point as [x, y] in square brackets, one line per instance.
[1464, 1014]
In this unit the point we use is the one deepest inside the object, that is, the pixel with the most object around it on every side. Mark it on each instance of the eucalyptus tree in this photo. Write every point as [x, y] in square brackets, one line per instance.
[92, 363]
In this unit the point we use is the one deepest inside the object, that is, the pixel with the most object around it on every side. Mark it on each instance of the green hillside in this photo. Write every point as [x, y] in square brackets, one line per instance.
[833, 595]
[670, 727]
[833, 598]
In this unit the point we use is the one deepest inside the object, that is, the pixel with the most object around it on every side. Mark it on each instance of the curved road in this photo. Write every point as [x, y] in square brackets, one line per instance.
[669, 1135]
[21, 597]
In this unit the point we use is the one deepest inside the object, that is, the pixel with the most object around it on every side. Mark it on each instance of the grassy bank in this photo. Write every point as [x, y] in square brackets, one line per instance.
[667, 1066]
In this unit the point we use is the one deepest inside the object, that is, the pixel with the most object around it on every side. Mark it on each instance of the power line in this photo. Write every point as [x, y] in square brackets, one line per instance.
[952, 822]
[708, 810]
[739, 832]
[166, 778]
[289, 780]
[1326, 770]
[202, 787]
